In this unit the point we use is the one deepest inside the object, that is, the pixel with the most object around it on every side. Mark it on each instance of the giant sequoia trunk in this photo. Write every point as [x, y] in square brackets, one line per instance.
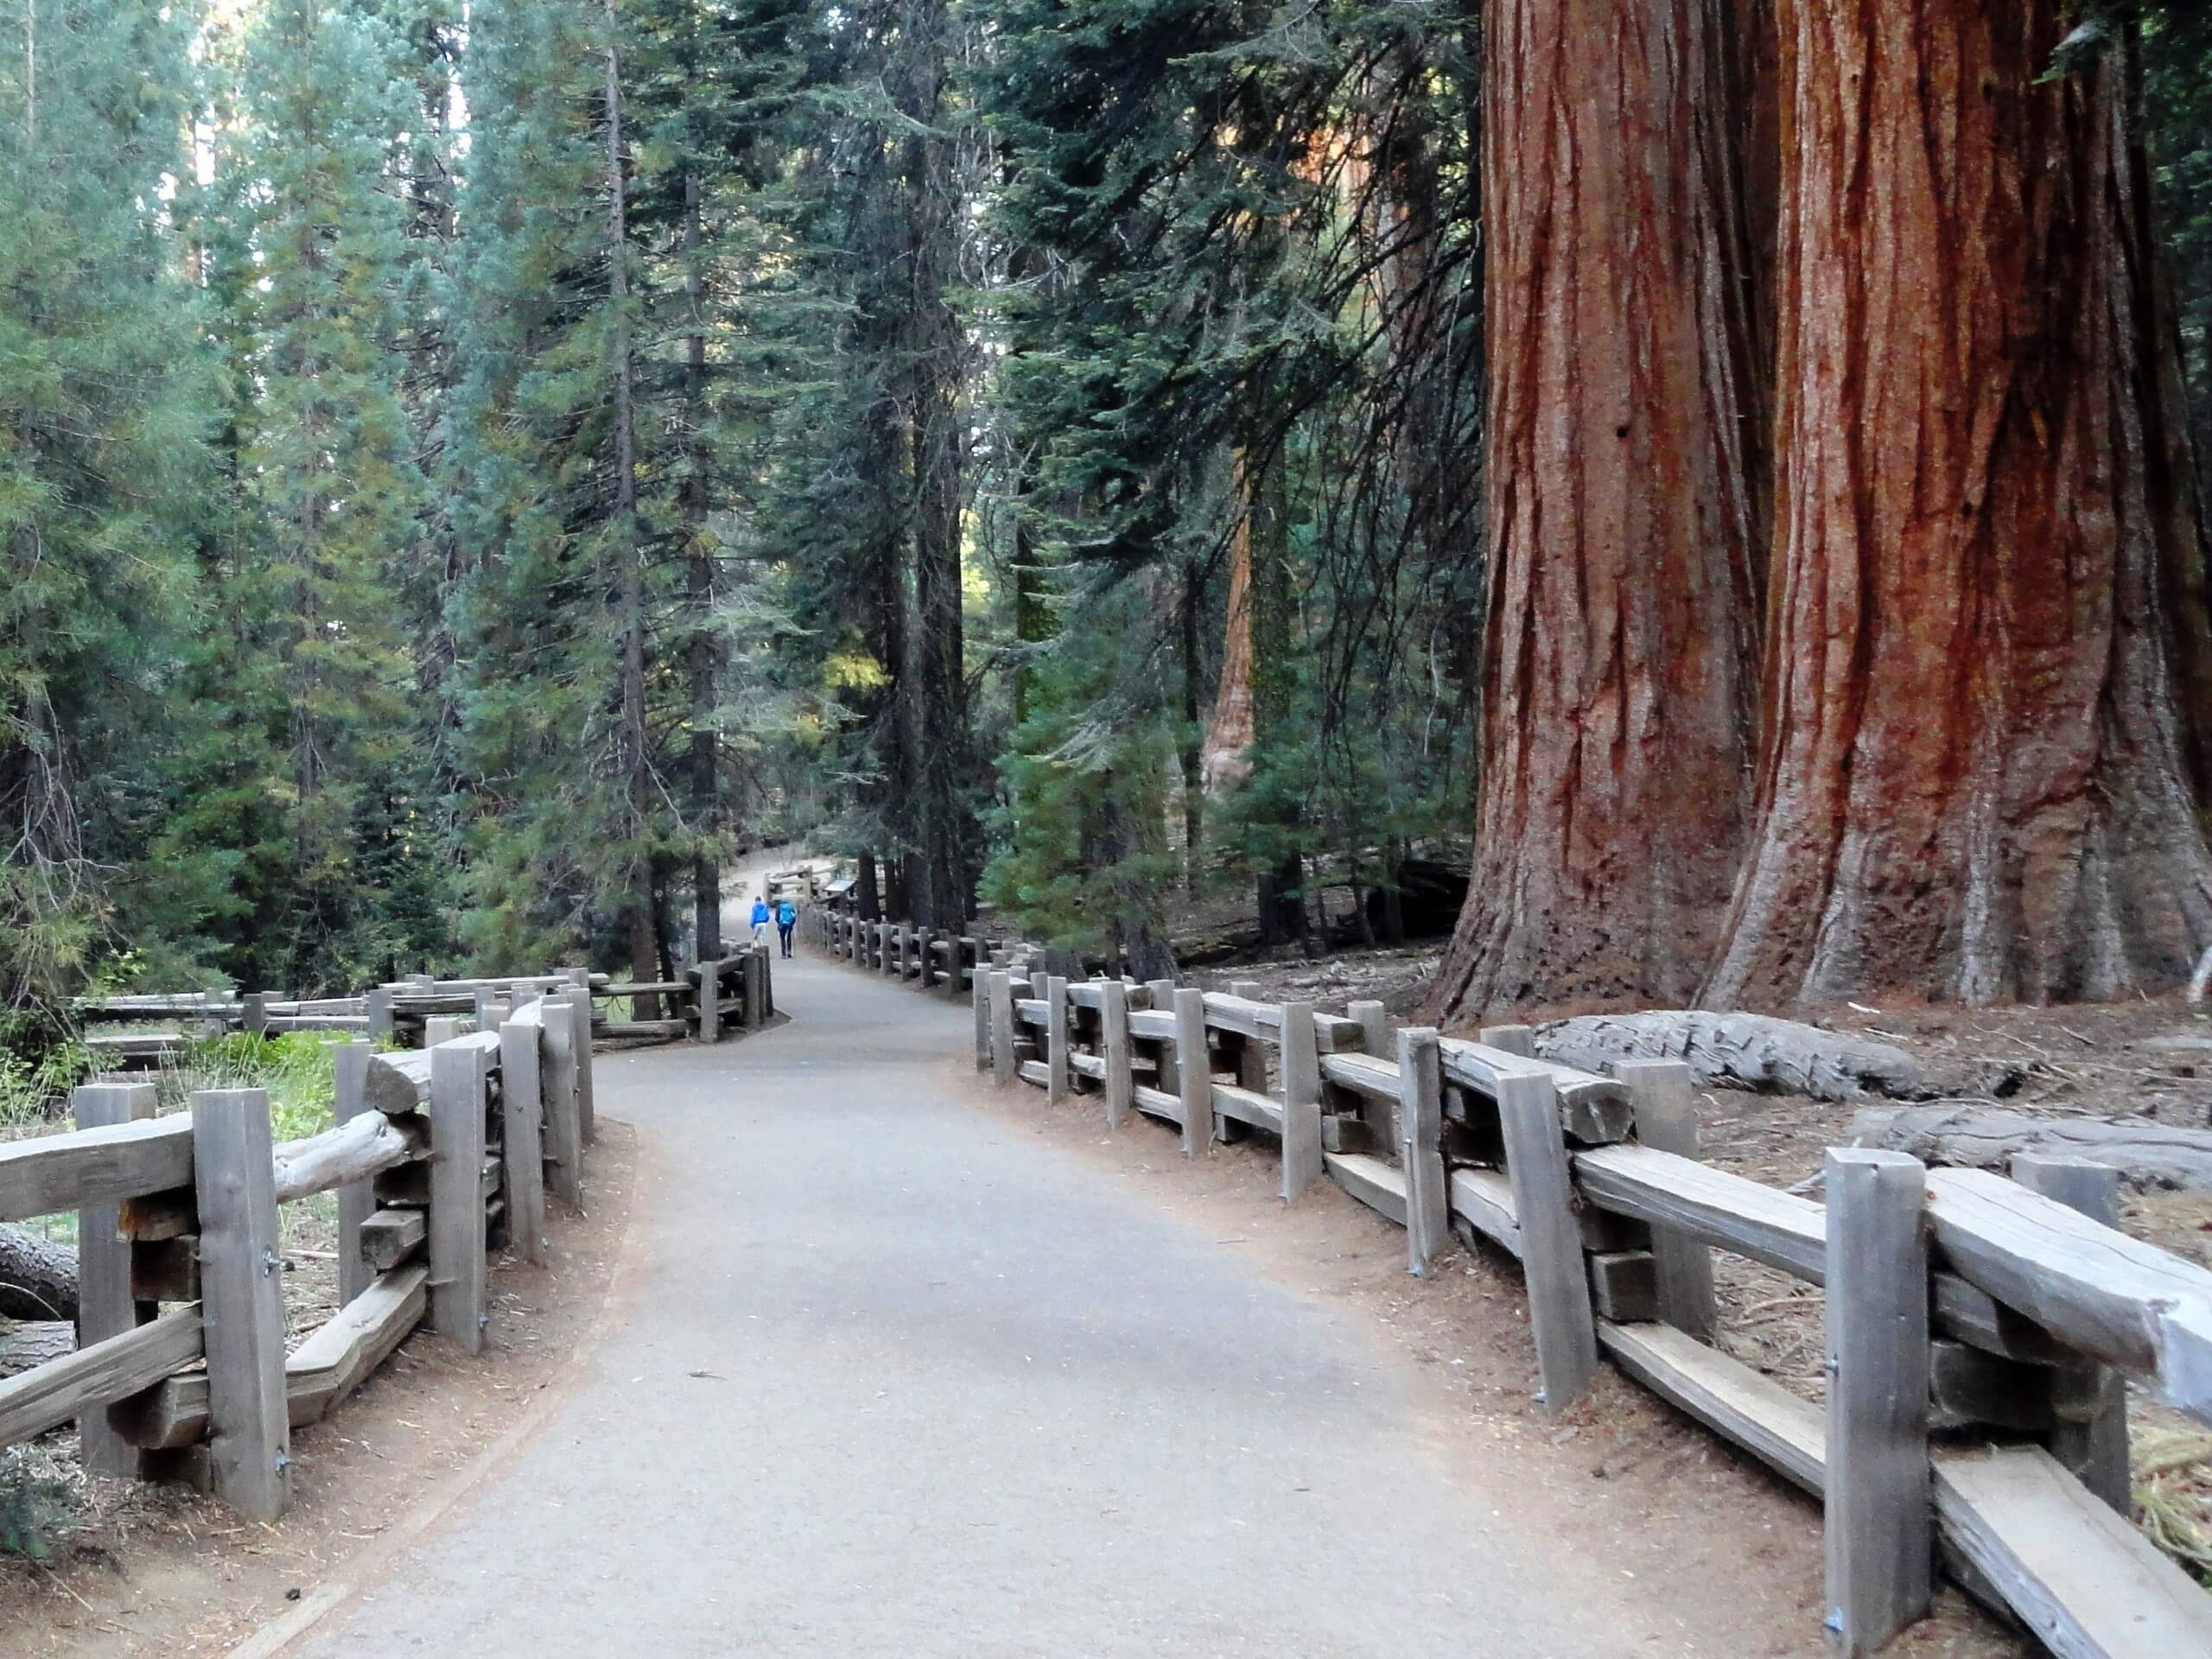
[1624, 508]
[1971, 782]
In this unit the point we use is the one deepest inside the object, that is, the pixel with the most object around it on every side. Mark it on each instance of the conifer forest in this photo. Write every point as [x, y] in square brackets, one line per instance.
[1719, 484]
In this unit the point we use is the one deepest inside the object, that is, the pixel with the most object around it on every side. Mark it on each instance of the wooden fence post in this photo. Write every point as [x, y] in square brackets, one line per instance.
[1194, 1069]
[756, 988]
[1420, 1109]
[440, 1028]
[379, 1006]
[1002, 1062]
[254, 1021]
[456, 1220]
[1880, 1520]
[1057, 1085]
[106, 1307]
[1374, 1022]
[242, 1300]
[1161, 992]
[2091, 1437]
[922, 956]
[1666, 1119]
[1114, 1045]
[522, 1140]
[710, 1001]
[1551, 1241]
[580, 1025]
[1302, 1162]
[565, 1141]
[1510, 1040]
[979, 998]
[356, 1200]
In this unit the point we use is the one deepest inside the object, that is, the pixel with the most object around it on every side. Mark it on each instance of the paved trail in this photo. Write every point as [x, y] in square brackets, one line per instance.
[891, 1377]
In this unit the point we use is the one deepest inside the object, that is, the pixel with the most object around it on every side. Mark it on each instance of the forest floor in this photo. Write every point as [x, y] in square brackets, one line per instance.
[135, 1571]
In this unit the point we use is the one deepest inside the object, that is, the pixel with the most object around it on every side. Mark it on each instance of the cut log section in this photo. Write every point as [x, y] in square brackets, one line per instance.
[1757, 1052]
[2146, 1154]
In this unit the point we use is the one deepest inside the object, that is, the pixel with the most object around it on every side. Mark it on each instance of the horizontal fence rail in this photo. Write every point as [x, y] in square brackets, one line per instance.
[1977, 1327]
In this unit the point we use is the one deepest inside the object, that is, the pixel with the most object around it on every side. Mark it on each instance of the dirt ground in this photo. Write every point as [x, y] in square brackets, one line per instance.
[147, 1571]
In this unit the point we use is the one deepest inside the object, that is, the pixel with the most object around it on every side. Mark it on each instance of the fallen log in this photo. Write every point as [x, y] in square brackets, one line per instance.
[1760, 1053]
[2146, 1154]
[26, 1346]
[38, 1278]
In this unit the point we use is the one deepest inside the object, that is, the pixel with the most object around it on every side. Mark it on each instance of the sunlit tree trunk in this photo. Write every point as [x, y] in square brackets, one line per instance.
[1973, 781]
[1622, 512]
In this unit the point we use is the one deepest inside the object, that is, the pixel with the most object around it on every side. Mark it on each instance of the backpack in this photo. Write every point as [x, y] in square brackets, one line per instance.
[786, 914]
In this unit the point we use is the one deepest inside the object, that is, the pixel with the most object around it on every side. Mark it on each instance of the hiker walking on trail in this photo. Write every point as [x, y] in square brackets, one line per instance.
[786, 920]
[760, 921]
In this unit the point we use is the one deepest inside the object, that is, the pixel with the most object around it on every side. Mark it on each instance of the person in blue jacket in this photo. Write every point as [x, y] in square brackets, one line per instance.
[760, 921]
[786, 920]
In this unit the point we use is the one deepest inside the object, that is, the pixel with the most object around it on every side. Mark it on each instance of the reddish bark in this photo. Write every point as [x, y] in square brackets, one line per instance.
[1225, 760]
[1624, 514]
[1971, 781]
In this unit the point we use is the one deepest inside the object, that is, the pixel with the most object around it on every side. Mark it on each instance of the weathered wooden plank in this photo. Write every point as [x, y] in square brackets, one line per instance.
[1157, 1103]
[106, 1305]
[1002, 1055]
[522, 1138]
[1595, 1111]
[85, 1382]
[1483, 1199]
[1194, 1076]
[1726, 1395]
[456, 1222]
[1666, 1121]
[390, 1236]
[2091, 1437]
[1092, 1066]
[1366, 1075]
[1551, 1243]
[341, 1355]
[1032, 1011]
[354, 1151]
[557, 1078]
[1247, 1106]
[243, 1299]
[2126, 1303]
[357, 1200]
[1114, 1043]
[1302, 1159]
[1879, 1528]
[55, 1173]
[1380, 1186]
[1153, 1025]
[586, 1111]
[1421, 1116]
[1700, 1202]
[1033, 1072]
[1057, 1087]
[2088, 1584]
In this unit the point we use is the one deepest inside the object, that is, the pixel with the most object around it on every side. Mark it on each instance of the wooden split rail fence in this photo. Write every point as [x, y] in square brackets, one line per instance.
[404, 1011]
[438, 1156]
[1980, 1330]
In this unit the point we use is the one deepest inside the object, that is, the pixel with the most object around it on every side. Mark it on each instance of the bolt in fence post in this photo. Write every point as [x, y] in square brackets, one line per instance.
[1879, 1525]
[1114, 1043]
[105, 1305]
[1194, 1070]
[1666, 1119]
[2091, 1437]
[456, 1220]
[1420, 1109]
[242, 1300]
[1056, 1087]
[1551, 1242]
[1302, 1162]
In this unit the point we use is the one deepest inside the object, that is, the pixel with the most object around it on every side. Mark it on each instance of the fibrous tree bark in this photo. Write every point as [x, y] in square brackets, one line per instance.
[1624, 507]
[1972, 781]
